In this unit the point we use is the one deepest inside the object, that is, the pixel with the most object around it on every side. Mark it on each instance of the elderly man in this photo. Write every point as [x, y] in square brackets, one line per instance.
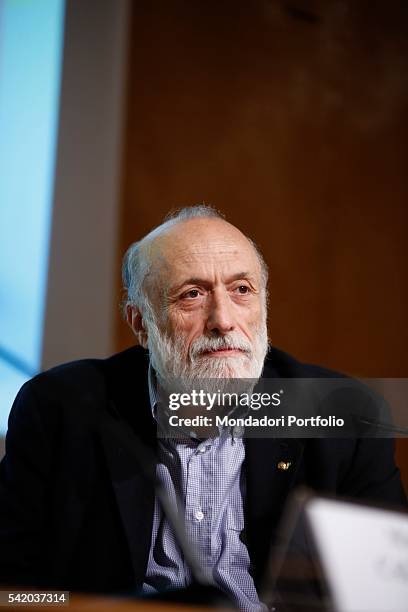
[76, 509]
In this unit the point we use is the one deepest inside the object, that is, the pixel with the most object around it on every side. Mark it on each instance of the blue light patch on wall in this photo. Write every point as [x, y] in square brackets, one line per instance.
[31, 39]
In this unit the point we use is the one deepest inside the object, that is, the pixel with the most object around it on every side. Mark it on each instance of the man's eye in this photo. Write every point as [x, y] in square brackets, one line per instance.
[243, 289]
[193, 293]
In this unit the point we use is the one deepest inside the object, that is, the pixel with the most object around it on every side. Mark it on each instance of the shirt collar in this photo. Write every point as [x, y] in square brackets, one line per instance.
[154, 402]
[152, 383]
[235, 432]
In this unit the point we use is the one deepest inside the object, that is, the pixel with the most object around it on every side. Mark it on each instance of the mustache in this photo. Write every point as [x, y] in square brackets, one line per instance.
[207, 344]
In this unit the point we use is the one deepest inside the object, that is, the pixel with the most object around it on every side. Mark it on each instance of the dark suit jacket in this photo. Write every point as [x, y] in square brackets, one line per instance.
[75, 507]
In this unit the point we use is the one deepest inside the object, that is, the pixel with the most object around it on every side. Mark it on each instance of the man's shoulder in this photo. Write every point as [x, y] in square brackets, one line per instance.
[70, 403]
[90, 382]
[278, 363]
[94, 371]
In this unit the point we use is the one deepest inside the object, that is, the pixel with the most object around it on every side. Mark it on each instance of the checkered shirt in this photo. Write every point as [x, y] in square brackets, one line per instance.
[206, 476]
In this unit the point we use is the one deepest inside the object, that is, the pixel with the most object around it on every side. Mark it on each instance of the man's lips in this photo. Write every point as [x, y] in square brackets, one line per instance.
[222, 352]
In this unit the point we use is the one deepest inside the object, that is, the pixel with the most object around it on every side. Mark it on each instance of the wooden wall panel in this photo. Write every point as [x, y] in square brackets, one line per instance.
[291, 117]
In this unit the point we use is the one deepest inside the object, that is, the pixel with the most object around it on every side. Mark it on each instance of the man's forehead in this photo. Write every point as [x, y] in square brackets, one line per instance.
[198, 240]
[196, 251]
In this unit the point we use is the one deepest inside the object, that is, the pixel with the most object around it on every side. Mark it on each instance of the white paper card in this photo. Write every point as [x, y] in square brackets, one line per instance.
[364, 555]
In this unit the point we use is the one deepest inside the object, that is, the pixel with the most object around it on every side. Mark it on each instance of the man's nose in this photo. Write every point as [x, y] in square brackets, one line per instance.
[220, 315]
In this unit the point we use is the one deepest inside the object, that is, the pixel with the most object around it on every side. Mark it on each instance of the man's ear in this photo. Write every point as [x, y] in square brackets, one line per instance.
[135, 321]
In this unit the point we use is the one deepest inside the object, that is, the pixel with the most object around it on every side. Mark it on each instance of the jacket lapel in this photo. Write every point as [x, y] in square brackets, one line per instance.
[128, 435]
[132, 474]
[272, 468]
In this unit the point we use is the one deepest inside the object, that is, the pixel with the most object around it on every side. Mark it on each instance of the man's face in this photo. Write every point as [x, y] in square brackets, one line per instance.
[206, 292]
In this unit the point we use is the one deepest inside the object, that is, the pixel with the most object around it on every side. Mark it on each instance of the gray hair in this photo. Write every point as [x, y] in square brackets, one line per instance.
[135, 263]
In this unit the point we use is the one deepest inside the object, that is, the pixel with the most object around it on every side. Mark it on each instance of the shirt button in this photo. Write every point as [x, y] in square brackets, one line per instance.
[199, 515]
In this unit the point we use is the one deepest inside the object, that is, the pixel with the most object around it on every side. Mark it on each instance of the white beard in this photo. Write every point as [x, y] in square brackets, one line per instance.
[180, 368]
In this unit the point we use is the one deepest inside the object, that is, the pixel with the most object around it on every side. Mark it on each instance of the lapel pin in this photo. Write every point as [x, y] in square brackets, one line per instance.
[284, 465]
